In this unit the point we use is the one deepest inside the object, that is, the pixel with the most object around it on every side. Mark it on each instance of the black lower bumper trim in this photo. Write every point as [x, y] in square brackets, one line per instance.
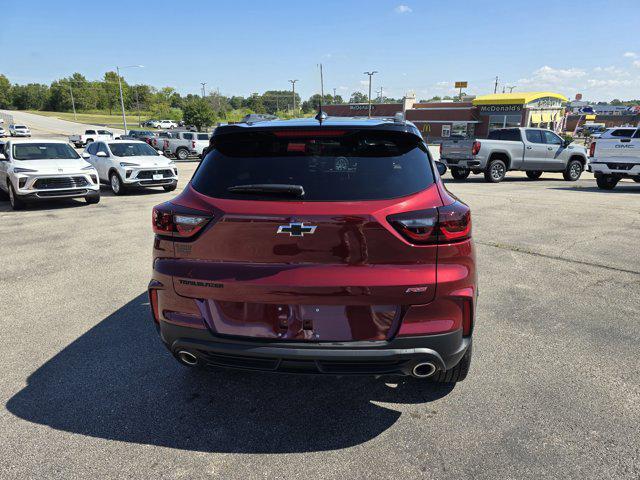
[397, 356]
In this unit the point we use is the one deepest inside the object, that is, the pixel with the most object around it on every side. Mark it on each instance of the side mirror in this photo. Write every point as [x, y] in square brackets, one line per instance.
[101, 154]
[566, 142]
[442, 168]
[2, 157]
[85, 155]
[159, 151]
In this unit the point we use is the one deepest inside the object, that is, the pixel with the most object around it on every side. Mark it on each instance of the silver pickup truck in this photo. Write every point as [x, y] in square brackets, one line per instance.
[613, 159]
[533, 150]
[184, 144]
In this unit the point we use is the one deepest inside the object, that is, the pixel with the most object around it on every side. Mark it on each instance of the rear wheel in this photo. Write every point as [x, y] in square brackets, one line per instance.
[534, 174]
[496, 171]
[460, 173]
[16, 202]
[607, 182]
[182, 154]
[116, 184]
[573, 171]
[457, 373]
[636, 179]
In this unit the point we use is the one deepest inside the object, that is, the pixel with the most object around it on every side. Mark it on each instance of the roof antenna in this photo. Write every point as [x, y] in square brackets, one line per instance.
[321, 115]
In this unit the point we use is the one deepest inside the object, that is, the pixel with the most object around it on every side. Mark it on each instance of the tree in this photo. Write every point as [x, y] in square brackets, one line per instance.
[5, 92]
[254, 102]
[236, 102]
[32, 96]
[111, 91]
[199, 113]
[275, 100]
[359, 97]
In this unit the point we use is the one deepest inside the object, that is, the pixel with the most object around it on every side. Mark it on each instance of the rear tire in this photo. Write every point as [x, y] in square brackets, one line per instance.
[460, 173]
[495, 171]
[534, 174]
[607, 182]
[115, 182]
[182, 154]
[457, 373]
[16, 202]
[573, 171]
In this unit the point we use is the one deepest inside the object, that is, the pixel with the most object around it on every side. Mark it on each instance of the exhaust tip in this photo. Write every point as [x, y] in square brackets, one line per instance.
[187, 358]
[423, 369]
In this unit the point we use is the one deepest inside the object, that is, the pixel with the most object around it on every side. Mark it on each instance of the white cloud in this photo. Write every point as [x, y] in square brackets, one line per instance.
[636, 63]
[364, 83]
[403, 9]
[630, 54]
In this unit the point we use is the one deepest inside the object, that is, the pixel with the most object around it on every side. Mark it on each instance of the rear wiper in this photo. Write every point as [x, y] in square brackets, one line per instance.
[273, 188]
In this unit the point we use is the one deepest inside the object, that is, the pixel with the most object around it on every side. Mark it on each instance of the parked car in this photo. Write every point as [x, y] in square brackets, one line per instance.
[157, 141]
[143, 135]
[33, 170]
[90, 135]
[165, 124]
[185, 144]
[19, 130]
[149, 123]
[131, 163]
[613, 159]
[532, 150]
[333, 250]
[3, 132]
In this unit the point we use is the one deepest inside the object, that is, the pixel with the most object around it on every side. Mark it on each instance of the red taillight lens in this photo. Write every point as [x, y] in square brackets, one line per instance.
[436, 225]
[592, 149]
[193, 144]
[153, 300]
[173, 221]
[475, 149]
[440, 150]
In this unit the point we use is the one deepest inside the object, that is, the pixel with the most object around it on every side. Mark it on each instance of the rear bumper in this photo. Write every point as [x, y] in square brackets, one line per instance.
[621, 169]
[393, 357]
[461, 162]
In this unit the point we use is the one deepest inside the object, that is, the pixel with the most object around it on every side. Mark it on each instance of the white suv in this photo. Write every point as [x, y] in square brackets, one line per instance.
[45, 169]
[131, 163]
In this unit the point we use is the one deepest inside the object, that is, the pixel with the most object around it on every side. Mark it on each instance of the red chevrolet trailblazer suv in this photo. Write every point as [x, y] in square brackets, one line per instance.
[309, 246]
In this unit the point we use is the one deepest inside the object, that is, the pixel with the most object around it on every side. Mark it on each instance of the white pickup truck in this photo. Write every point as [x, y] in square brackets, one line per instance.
[532, 150]
[615, 158]
[89, 136]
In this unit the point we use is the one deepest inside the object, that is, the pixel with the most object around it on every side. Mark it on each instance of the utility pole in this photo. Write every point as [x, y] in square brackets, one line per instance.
[334, 95]
[321, 89]
[495, 87]
[380, 97]
[293, 89]
[124, 117]
[511, 88]
[73, 103]
[203, 84]
[371, 74]
[138, 105]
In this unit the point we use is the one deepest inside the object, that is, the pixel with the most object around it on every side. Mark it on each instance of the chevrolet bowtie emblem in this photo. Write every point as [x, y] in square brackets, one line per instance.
[297, 229]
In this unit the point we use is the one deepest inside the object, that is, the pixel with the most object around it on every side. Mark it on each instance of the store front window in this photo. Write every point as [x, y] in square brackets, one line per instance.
[446, 131]
[504, 121]
[462, 129]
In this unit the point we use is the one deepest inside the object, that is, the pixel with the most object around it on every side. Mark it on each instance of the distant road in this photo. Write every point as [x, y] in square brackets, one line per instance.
[50, 126]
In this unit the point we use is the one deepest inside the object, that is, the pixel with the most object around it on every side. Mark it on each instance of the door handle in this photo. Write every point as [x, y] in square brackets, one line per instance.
[529, 148]
[549, 148]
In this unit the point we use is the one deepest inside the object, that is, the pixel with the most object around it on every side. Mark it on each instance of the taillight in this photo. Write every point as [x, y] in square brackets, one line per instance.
[448, 224]
[153, 301]
[174, 221]
[166, 144]
[193, 144]
[592, 149]
[475, 149]
[440, 150]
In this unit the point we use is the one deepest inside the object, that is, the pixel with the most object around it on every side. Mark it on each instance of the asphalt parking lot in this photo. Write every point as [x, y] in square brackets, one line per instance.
[554, 389]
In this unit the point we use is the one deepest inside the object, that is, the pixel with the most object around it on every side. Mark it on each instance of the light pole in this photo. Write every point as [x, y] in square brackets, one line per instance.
[73, 103]
[334, 95]
[124, 117]
[293, 89]
[371, 74]
[203, 84]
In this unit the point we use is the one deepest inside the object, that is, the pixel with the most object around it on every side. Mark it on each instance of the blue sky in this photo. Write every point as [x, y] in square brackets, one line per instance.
[242, 46]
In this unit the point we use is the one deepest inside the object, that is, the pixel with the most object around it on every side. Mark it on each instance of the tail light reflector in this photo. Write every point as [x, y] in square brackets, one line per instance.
[174, 221]
[475, 149]
[592, 149]
[448, 224]
[153, 300]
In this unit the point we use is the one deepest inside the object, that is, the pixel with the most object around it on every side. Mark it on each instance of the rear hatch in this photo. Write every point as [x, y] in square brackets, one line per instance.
[299, 246]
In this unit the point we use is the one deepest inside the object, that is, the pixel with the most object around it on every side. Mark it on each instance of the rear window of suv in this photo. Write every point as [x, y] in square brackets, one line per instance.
[336, 166]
